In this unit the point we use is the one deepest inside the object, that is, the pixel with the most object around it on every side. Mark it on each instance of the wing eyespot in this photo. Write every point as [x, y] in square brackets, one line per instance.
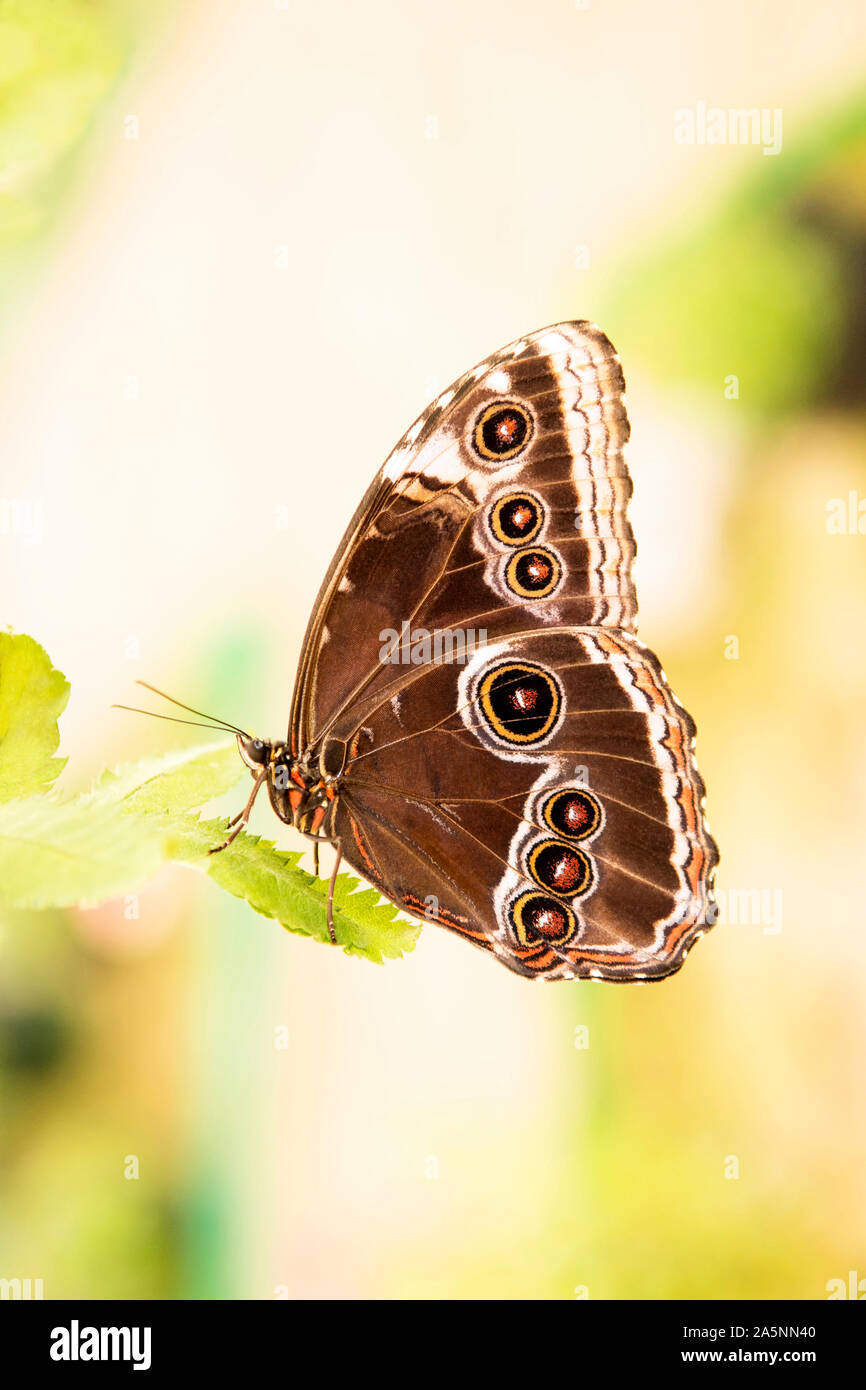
[534, 573]
[538, 920]
[573, 812]
[520, 702]
[502, 431]
[516, 518]
[562, 869]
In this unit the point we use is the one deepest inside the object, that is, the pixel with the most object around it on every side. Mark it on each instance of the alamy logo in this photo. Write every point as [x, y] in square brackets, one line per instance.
[747, 907]
[713, 125]
[21, 1288]
[418, 647]
[854, 1287]
[76, 1343]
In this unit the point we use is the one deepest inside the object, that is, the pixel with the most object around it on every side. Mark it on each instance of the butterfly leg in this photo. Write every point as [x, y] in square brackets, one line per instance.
[331, 886]
[239, 822]
[316, 858]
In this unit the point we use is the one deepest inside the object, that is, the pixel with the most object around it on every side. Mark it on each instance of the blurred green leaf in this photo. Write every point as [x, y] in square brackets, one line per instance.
[62, 853]
[762, 301]
[58, 61]
[763, 286]
[33, 695]
[80, 851]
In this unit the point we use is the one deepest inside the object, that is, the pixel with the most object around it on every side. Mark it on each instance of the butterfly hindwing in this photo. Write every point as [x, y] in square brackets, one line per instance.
[551, 813]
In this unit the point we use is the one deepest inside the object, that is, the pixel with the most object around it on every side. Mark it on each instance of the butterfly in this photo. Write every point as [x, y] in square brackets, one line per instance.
[475, 727]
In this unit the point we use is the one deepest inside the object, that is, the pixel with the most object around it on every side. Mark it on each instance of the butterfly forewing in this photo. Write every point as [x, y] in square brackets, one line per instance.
[425, 550]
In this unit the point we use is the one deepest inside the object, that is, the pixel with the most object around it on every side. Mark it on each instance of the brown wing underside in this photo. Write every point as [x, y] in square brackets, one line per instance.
[443, 814]
[534, 788]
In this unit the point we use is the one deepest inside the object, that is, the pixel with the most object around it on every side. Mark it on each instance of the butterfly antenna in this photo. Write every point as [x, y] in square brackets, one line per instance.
[195, 723]
[213, 719]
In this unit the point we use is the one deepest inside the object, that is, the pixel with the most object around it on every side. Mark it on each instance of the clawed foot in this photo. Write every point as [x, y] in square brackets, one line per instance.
[239, 821]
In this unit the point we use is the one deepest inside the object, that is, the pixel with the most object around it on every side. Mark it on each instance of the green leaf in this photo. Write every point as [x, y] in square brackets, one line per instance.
[270, 881]
[59, 853]
[33, 695]
[80, 851]
[174, 782]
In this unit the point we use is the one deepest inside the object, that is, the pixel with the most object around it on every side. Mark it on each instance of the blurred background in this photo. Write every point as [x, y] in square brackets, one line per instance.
[226, 227]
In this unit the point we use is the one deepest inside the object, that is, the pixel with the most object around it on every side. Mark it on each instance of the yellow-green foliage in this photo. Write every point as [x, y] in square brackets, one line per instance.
[58, 851]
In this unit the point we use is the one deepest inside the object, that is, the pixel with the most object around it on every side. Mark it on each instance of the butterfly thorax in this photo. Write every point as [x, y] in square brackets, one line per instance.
[301, 791]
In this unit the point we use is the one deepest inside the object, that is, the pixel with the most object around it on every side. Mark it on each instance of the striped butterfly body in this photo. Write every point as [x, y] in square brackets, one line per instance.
[475, 725]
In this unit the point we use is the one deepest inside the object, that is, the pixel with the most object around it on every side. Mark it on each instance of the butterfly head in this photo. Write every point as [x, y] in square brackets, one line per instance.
[256, 752]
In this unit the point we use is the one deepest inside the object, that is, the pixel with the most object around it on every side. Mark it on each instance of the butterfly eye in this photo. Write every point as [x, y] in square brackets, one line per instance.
[516, 518]
[256, 750]
[502, 430]
[539, 920]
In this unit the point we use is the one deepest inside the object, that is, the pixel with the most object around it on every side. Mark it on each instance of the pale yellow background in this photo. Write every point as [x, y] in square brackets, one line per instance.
[239, 312]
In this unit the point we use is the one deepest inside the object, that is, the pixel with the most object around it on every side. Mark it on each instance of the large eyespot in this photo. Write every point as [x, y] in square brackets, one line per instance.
[502, 430]
[516, 518]
[520, 702]
[533, 573]
[562, 869]
[573, 812]
[541, 921]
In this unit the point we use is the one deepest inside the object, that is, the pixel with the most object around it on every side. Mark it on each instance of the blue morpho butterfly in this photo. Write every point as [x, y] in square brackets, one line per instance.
[475, 726]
